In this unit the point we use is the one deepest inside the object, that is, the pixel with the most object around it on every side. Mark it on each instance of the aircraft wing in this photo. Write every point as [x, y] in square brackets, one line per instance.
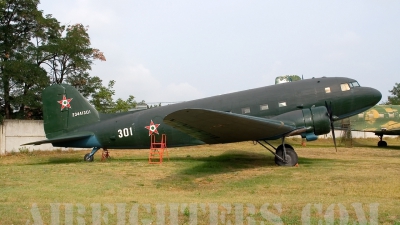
[386, 131]
[63, 138]
[212, 126]
[386, 128]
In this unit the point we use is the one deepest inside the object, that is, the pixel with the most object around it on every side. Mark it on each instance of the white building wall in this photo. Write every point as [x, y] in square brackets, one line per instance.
[14, 133]
[355, 134]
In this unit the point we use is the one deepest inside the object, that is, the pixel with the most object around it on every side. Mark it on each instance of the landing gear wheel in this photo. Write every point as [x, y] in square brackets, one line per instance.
[286, 146]
[291, 156]
[88, 158]
[382, 143]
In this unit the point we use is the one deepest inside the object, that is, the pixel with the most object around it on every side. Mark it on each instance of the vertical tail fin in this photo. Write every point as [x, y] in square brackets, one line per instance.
[64, 109]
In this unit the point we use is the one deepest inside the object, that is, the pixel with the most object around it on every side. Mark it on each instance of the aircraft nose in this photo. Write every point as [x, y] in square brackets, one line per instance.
[375, 96]
[362, 99]
[367, 97]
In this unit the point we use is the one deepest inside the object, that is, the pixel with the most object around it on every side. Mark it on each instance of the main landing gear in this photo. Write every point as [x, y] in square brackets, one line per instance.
[90, 156]
[284, 154]
[380, 142]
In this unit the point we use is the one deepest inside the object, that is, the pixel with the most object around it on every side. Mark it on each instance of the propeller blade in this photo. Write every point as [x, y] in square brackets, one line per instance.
[329, 108]
[333, 135]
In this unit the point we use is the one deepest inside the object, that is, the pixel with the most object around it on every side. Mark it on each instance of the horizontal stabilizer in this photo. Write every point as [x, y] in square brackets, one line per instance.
[63, 138]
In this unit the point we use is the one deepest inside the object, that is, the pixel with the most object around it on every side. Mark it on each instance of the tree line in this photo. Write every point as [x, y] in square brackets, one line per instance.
[36, 50]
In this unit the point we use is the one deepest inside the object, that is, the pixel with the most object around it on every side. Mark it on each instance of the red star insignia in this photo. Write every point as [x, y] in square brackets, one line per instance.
[65, 102]
[152, 128]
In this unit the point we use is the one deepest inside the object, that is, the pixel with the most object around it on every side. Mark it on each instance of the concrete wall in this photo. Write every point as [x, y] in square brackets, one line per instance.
[14, 133]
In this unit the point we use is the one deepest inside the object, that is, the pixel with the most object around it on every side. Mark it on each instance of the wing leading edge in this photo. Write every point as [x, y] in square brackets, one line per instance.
[214, 127]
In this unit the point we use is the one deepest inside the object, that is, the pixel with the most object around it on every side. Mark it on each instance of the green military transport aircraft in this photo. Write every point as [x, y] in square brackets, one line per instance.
[306, 107]
[380, 119]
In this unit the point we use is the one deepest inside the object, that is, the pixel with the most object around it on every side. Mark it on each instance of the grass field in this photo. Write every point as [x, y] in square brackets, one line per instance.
[210, 184]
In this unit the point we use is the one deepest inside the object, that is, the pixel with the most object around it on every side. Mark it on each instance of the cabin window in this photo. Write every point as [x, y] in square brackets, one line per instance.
[263, 107]
[282, 104]
[246, 110]
[327, 90]
[345, 87]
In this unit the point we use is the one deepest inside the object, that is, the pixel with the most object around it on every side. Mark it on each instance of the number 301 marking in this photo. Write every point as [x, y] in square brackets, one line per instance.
[125, 132]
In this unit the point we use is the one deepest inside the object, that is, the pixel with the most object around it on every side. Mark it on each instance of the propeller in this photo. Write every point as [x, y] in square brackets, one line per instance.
[330, 114]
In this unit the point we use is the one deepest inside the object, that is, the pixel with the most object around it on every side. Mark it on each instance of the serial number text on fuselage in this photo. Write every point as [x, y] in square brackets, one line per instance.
[81, 113]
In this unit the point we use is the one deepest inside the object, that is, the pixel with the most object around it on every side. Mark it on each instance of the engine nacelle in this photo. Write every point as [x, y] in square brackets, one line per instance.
[318, 119]
[315, 119]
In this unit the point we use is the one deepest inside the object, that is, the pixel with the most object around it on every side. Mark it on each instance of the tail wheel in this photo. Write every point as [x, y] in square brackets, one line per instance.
[88, 158]
[291, 156]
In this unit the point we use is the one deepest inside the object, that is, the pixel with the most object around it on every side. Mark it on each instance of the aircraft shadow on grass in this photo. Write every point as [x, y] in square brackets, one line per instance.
[58, 160]
[235, 160]
[397, 148]
[229, 161]
[312, 161]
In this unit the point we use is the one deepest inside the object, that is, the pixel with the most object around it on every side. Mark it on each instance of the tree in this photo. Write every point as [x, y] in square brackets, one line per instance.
[26, 82]
[71, 55]
[85, 84]
[104, 103]
[124, 106]
[18, 21]
[102, 100]
[26, 78]
[395, 99]
[68, 56]
[35, 50]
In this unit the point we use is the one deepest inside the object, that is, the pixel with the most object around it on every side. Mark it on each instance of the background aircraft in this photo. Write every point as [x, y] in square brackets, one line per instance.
[380, 119]
[306, 107]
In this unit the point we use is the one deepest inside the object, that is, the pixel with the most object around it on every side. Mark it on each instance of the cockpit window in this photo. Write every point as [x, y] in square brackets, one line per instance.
[354, 84]
[345, 87]
[348, 86]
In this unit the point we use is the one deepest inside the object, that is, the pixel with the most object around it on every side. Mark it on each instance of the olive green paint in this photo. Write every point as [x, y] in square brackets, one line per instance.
[269, 112]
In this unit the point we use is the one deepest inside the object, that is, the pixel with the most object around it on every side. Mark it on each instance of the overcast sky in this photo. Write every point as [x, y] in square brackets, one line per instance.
[178, 50]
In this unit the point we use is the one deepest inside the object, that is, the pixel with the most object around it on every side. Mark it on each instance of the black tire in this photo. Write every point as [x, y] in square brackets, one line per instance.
[382, 144]
[291, 156]
[88, 158]
[286, 146]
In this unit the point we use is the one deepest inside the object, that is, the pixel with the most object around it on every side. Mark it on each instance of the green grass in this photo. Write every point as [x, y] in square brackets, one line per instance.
[204, 183]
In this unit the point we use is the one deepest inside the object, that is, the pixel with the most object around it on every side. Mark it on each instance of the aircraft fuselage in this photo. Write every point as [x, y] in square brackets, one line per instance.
[132, 129]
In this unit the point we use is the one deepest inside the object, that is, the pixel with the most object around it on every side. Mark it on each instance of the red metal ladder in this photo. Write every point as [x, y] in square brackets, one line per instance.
[157, 149]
